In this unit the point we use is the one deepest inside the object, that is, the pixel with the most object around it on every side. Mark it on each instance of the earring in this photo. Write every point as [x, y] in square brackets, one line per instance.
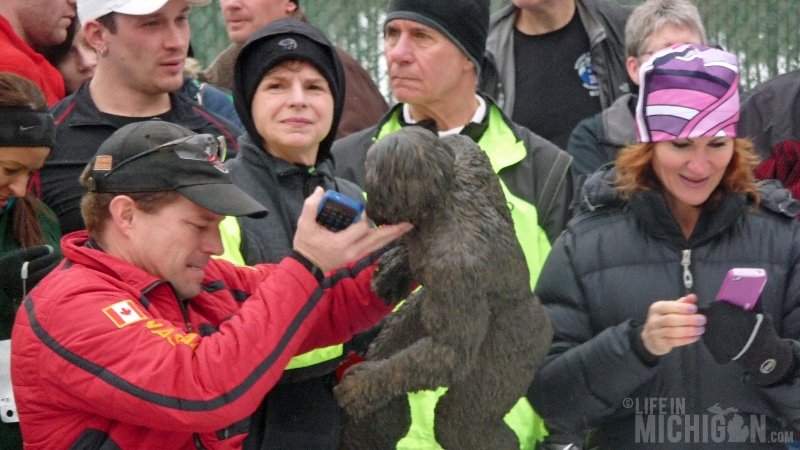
[103, 52]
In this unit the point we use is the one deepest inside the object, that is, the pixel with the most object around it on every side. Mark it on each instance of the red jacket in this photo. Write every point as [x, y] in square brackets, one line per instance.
[18, 57]
[102, 350]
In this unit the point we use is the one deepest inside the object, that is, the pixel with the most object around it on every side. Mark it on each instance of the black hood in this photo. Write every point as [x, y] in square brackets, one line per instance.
[598, 190]
[278, 41]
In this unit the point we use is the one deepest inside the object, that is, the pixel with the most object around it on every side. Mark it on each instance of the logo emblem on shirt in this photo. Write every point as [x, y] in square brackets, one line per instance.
[583, 65]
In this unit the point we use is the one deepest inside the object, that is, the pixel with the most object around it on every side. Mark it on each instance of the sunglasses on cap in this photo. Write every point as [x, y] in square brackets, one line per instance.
[197, 147]
[202, 147]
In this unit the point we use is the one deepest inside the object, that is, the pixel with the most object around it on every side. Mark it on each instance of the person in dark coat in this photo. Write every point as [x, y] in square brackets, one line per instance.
[556, 62]
[643, 355]
[138, 74]
[289, 93]
[29, 232]
[652, 26]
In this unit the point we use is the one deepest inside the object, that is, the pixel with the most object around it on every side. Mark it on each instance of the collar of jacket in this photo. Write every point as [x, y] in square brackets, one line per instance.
[76, 251]
[722, 211]
[501, 144]
[618, 121]
[84, 111]
[651, 209]
[256, 156]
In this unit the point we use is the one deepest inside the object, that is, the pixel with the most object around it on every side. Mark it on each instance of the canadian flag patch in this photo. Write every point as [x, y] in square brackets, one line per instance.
[124, 313]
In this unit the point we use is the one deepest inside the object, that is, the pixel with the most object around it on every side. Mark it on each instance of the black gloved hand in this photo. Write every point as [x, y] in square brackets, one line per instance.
[41, 260]
[733, 334]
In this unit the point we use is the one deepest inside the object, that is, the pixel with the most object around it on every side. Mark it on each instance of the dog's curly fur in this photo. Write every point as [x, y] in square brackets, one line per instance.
[474, 326]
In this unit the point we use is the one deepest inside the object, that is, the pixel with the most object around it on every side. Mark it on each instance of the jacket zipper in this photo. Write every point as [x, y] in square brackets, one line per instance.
[689, 357]
[686, 261]
[184, 305]
[197, 443]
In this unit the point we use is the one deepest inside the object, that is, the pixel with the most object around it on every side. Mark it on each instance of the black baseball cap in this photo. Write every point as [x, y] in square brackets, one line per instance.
[154, 156]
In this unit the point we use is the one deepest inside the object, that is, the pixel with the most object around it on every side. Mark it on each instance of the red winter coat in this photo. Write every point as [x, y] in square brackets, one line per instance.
[103, 354]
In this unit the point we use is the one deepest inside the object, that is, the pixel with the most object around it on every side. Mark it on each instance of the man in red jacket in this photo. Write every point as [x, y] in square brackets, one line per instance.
[141, 340]
[29, 24]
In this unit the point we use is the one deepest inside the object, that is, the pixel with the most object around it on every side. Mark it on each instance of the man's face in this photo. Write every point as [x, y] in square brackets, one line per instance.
[44, 23]
[424, 66]
[147, 53]
[175, 243]
[244, 17]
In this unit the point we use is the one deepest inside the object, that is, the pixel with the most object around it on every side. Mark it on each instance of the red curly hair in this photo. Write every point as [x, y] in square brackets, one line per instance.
[635, 171]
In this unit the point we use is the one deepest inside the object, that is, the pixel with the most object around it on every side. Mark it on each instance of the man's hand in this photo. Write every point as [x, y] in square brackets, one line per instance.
[672, 324]
[329, 250]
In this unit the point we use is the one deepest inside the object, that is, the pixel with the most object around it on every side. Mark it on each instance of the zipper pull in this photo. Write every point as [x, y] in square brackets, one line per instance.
[23, 275]
[686, 261]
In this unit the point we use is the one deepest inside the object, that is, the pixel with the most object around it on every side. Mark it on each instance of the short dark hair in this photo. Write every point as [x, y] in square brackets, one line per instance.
[109, 21]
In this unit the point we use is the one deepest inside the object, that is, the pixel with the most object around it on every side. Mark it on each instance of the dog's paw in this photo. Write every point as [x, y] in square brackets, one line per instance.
[358, 394]
[392, 279]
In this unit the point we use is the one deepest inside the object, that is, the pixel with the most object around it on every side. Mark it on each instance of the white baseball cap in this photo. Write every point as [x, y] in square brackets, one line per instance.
[92, 9]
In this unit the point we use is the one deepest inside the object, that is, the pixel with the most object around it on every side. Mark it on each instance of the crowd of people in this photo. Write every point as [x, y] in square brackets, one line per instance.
[164, 283]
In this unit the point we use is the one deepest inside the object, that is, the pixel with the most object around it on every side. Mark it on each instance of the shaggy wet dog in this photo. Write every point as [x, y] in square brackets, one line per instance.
[474, 325]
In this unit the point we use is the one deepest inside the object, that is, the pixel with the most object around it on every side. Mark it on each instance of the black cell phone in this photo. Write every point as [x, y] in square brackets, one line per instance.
[338, 211]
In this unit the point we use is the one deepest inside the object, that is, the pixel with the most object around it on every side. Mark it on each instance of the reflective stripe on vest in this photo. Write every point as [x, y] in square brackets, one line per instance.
[231, 235]
[503, 150]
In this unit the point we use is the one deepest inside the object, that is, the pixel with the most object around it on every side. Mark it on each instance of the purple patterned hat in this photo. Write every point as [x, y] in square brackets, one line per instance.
[688, 91]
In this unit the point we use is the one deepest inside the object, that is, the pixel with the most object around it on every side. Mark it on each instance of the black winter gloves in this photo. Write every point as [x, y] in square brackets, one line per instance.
[41, 260]
[733, 334]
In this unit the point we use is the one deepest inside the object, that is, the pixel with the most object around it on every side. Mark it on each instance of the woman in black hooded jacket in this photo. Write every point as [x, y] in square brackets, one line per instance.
[288, 92]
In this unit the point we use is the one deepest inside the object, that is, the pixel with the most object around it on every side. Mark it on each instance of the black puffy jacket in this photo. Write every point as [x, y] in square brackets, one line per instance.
[604, 271]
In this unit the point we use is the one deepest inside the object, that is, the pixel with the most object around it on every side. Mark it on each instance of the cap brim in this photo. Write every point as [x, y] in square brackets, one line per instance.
[140, 8]
[224, 199]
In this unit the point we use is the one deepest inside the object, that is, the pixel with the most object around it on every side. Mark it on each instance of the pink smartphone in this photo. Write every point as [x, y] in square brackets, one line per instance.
[742, 287]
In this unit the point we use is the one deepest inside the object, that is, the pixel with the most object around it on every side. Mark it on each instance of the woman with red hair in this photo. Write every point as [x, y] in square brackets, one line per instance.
[630, 286]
